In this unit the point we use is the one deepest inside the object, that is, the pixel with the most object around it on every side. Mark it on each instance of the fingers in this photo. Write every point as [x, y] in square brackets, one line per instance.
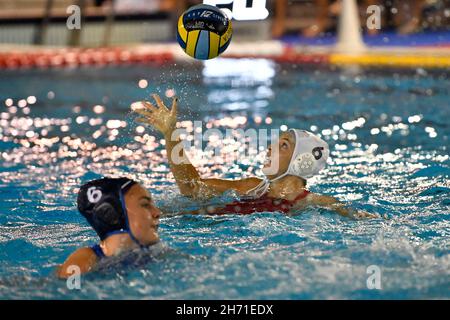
[174, 109]
[159, 102]
[149, 106]
[148, 120]
[146, 116]
[143, 106]
[144, 112]
[366, 215]
[142, 120]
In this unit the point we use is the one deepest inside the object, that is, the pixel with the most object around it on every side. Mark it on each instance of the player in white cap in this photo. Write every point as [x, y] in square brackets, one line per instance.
[295, 157]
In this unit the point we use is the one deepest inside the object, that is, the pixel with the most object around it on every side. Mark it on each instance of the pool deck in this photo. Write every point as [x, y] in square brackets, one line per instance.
[390, 50]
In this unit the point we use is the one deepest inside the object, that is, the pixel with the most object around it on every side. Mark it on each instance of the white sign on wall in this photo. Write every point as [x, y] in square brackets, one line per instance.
[240, 11]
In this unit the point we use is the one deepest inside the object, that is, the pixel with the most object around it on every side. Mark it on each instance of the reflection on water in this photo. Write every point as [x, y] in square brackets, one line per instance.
[388, 132]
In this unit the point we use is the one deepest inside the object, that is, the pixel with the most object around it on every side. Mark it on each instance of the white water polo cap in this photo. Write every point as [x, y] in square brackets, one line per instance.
[309, 157]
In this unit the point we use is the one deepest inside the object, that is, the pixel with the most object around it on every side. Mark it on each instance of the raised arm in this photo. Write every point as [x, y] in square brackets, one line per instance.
[186, 175]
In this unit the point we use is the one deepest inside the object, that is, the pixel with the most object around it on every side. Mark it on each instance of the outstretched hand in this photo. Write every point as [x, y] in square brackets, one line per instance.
[364, 214]
[159, 116]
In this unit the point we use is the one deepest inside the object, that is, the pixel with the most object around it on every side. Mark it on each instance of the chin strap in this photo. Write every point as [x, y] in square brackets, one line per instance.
[259, 190]
[263, 186]
[128, 229]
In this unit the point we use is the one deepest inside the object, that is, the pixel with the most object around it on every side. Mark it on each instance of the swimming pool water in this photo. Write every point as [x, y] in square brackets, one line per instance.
[389, 135]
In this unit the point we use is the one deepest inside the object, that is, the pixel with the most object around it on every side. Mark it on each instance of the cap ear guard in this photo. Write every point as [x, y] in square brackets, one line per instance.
[106, 214]
[303, 165]
[310, 154]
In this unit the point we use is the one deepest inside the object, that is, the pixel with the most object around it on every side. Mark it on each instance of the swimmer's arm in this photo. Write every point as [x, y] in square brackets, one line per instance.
[214, 187]
[186, 175]
[84, 258]
[189, 181]
[165, 120]
[336, 206]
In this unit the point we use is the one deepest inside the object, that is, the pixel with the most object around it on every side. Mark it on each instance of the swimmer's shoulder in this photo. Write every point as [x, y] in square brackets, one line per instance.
[84, 259]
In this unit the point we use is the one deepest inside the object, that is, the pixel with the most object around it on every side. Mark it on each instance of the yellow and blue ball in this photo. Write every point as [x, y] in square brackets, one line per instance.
[204, 32]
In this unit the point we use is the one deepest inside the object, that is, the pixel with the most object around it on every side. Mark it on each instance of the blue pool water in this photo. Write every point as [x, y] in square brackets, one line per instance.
[389, 135]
